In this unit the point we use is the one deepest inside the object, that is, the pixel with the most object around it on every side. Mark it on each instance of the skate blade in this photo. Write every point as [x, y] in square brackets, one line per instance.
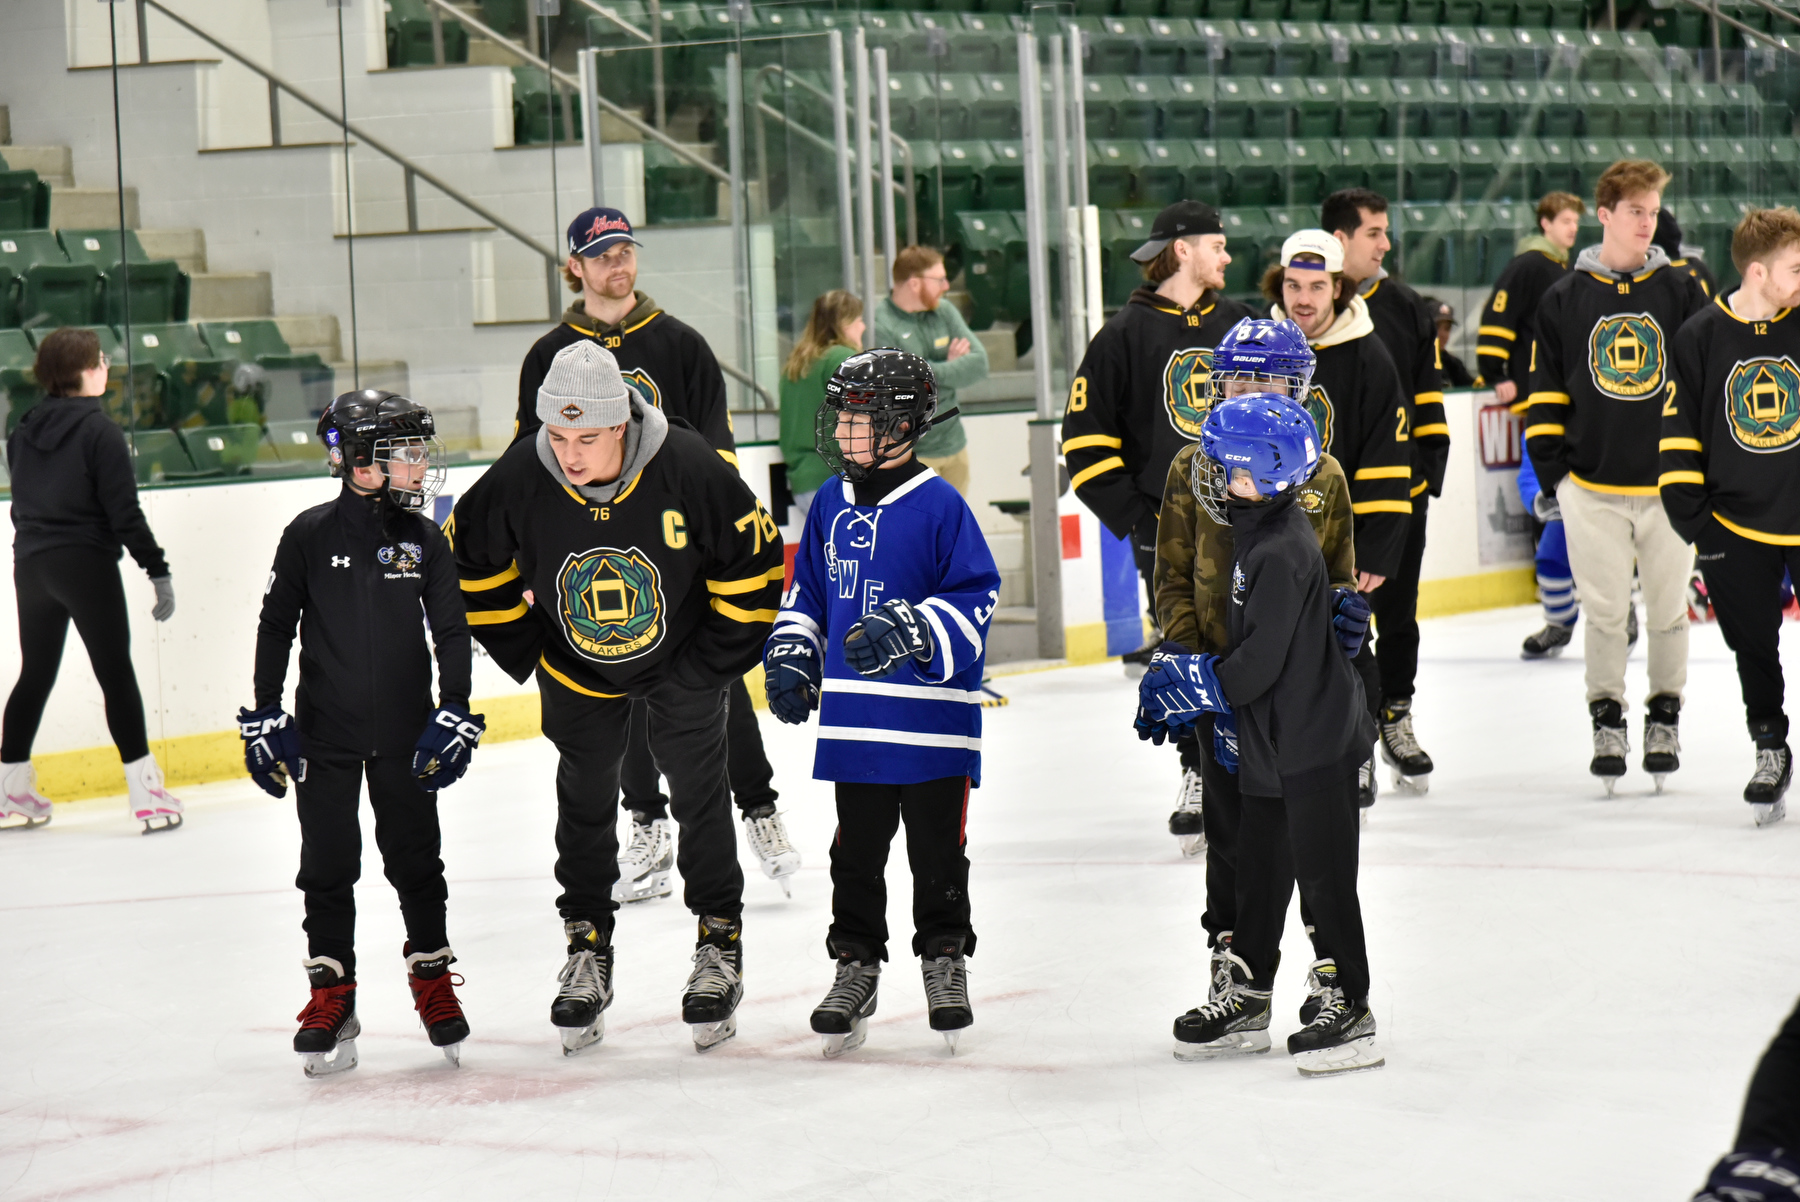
[453, 1053]
[1359, 1055]
[787, 890]
[779, 870]
[1362, 816]
[161, 823]
[28, 824]
[1418, 785]
[575, 1039]
[837, 1045]
[1769, 813]
[950, 1038]
[1659, 778]
[1192, 845]
[708, 1036]
[1611, 783]
[1238, 1043]
[648, 888]
[323, 1064]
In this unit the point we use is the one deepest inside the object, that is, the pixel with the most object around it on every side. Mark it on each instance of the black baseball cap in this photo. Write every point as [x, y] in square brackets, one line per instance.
[1183, 219]
[597, 230]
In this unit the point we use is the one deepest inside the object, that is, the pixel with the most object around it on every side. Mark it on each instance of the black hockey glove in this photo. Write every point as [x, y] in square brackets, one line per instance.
[791, 678]
[1225, 741]
[271, 748]
[876, 645]
[1350, 618]
[442, 753]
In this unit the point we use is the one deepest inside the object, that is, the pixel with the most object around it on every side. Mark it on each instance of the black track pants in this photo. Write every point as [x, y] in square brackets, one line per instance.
[1143, 552]
[1772, 1108]
[1743, 578]
[687, 733]
[406, 831]
[55, 587]
[936, 815]
[1396, 608]
[752, 779]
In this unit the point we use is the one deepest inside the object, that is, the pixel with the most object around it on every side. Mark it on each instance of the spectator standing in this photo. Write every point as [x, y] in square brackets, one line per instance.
[914, 318]
[833, 333]
[1443, 315]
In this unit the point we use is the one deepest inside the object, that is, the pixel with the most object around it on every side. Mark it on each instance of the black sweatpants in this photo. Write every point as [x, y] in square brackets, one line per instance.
[1307, 838]
[1772, 1107]
[936, 813]
[1143, 553]
[1396, 608]
[687, 734]
[406, 831]
[746, 764]
[1743, 578]
[79, 584]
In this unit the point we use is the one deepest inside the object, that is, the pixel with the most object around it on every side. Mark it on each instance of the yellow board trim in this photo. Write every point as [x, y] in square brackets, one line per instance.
[571, 685]
[727, 609]
[1544, 429]
[1776, 540]
[747, 585]
[1092, 440]
[1547, 398]
[1484, 590]
[1432, 428]
[1088, 473]
[1679, 444]
[1617, 490]
[494, 617]
[1382, 507]
[488, 582]
[1668, 478]
[1383, 473]
[1498, 332]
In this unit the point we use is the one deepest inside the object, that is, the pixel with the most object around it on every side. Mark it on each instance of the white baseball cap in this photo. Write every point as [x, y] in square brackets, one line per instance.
[1314, 242]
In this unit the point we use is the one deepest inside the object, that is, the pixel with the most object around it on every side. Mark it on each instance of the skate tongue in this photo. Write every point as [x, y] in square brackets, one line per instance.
[721, 932]
[944, 949]
[324, 972]
[583, 936]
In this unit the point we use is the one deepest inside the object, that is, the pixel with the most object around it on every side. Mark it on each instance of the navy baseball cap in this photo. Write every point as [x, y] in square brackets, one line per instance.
[597, 231]
[1183, 219]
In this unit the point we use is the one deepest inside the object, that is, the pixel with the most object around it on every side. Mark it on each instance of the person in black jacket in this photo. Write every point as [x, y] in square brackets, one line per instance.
[74, 506]
[1764, 1165]
[356, 574]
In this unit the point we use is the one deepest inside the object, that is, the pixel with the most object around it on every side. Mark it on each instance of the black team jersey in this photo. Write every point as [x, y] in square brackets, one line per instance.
[1730, 424]
[1138, 397]
[678, 577]
[1406, 328]
[1503, 341]
[1600, 375]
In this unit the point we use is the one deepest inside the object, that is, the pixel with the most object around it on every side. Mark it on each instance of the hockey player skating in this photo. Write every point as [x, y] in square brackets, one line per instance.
[356, 575]
[654, 574]
[1727, 482]
[1285, 676]
[884, 631]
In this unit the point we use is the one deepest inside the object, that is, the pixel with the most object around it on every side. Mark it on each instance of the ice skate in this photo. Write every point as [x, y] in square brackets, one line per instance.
[433, 988]
[768, 839]
[1138, 662]
[1767, 790]
[579, 1011]
[1233, 1022]
[716, 985]
[1412, 767]
[326, 1039]
[1367, 787]
[947, 988]
[19, 798]
[1611, 742]
[1662, 746]
[843, 1017]
[150, 803]
[647, 861]
[1218, 967]
[1547, 643]
[1186, 823]
[1321, 978]
[1339, 1039]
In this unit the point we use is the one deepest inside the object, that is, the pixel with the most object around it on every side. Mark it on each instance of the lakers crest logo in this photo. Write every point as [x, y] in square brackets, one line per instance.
[1318, 404]
[611, 603]
[1625, 356]
[1184, 389]
[640, 379]
[1762, 403]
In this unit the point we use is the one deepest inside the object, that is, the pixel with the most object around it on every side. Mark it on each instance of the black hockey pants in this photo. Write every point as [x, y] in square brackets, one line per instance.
[79, 584]
[1772, 1107]
[747, 765]
[936, 813]
[1743, 578]
[687, 734]
[406, 831]
[1396, 608]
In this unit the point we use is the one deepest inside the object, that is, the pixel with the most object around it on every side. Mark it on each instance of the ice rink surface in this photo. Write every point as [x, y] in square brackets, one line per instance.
[1572, 991]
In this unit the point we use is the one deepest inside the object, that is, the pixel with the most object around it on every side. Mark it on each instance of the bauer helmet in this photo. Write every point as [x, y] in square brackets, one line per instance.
[1269, 436]
[375, 428]
[894, 389]
[1260, 354]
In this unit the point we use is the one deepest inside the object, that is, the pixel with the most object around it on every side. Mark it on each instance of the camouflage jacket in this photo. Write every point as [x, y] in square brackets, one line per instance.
[1194, 554]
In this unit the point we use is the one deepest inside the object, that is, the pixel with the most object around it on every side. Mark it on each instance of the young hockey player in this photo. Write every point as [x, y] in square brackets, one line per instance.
[654, 574]
[356, 575]
[1286, 680]
[1727, 483]
[887, 618]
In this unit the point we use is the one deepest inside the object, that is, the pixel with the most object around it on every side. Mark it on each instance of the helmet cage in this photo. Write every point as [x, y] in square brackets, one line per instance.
[1294, 383]
[1209, 480]
[892, 431]
[408, 452]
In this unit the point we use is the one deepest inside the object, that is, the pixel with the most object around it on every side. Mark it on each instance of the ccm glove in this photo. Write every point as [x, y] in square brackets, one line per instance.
[791, 677]
[876, 645]
[442, 753]
[165, 598]
[271, 748]
[1225, 741]
[1350, 619]
[1178, 687]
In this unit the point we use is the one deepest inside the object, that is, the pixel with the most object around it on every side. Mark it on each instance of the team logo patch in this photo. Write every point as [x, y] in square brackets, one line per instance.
[1318, 404]
[1762, 403]
[402, 557]
[639, 379]
[1184, 389]
[1310, 500]
[1625, 356]
[611, 603]
[1237, 583]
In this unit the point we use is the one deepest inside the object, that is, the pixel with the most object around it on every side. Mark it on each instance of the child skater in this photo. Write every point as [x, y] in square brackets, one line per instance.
[887, 617]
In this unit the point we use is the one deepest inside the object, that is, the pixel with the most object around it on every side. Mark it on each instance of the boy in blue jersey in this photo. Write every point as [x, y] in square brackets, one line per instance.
[884, 632]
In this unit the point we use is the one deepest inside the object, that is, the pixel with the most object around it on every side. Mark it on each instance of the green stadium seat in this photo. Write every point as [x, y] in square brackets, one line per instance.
[1346, 12]
[1318, 109]
[1532, 52]
[1424, 12]
[1167, 168]
[1546, 109]
[1298, 48]
[193, 385]
[1466, 233]
[1593, 156]
[1308, 10]
[956, 100]
[1002, 185]
[1491, 57]
[1481, 171]
[1465, 14]
[1386, 168]
[18, 379]
[1598, 52]
[1425, 237]
[1209, 179]
[1640, 108]
[538, 115]
[1385, 12]
[1186, 105]
[1531, 14]
[1336, 56]
[1431, 169]
[675, 189]
[1413, 103]
[1726, 167]
[1139, 115]
[1376, 54]
[1248, 233]
[1520, 158]
[1555, 167]
[1275, 109]
[1708, 222]
[985, 236]
[996, 113]
[1678, 26]
[1165, 47]
[294, 384]
[24, 201]
[1507, 222]
[1258, 177]
[1705, 107]
[1743, 110]
[1284, 222]
[1417, 56]
[40, 287]
[1308, 159]
[1118, 43]
[1235, 102]
[1113, 167]
[1567, 14]
[1249, 45]
[409, 40]
[1122, 232]
[1497, 14]
[1368, 106]
[159, 288]
[1266, 10]
[912, 107]
[962, 166]
[1443, 107]
[1456, 50]
[1486, 108]
[1780, 166]
[1349, 167]
[1104, 96]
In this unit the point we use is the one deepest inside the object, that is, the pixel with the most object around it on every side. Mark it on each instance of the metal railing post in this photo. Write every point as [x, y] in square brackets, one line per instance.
[437, 38]
[412, 202]
[588, 71]
[1068, 235]
[840, 131]
[884, 135]
[740, 233]
[274, 114]
[1046, 527]
[143, 35]
[865, 198]
[656, 64]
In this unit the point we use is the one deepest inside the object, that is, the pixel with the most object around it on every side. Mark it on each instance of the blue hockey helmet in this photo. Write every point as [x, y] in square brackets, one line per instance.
[1265, 434]
[1260, 354]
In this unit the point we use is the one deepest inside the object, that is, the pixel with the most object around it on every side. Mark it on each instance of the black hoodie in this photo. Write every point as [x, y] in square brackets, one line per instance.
[73, 485]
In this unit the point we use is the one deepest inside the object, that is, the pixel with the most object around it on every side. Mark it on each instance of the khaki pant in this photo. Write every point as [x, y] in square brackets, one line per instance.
[1607, 533]
[955, 470]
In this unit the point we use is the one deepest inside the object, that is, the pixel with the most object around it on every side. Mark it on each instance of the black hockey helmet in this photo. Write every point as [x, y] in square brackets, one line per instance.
[376, 428]
[897, 392]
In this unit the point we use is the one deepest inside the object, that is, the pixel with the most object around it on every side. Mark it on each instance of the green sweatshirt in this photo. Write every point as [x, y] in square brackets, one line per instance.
[800, 401]
[929, 335]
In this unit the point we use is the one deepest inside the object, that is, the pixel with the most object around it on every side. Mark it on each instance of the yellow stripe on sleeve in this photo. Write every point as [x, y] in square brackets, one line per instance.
[1546, 429]
[1668, 478]
[748, 584]
[1382, 507]
[727, 609]
[728, 457]
[1679, 444]
[1427, 398]
[1088, 473]
[1401, 472]
[488, 582]
[1497, 332]
[1492, 352]
[494, 617]
[1092, 440]
[1420, 487]
[1431, 428]
[1547, 398]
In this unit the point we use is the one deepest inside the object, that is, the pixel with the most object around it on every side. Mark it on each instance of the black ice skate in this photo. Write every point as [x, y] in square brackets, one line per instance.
[769, 840]
[947, 988]
[1321, 979]
[579, 1011]
[1218, 968]
[1138, 662]
[1233, 1022]
[1768, 788]
[1367, 787]
[433, 988]
[1547, 643]
[1186, 823]
[843, 1017]
[1611, 742]
[1339, 1039]
[326, 1039]
[1412, 767]
[716, 985]
[1662, 745]
[646, 862]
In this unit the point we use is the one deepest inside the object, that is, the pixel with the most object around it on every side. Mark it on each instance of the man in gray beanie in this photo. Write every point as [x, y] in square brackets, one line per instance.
[618, 557]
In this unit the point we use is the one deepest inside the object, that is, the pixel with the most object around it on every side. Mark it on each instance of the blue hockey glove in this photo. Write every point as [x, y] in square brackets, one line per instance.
[1178, 687]
[1149, 726]
[1225, 741]
[791, 678]
[271, 748]
[876, 645]
[441, 755]
[1350, 618]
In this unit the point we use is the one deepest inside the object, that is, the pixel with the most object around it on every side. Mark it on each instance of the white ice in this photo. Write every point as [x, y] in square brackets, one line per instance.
[1572, 992]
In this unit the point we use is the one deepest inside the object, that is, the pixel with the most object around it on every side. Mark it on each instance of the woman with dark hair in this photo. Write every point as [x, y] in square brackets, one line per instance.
[74, 508]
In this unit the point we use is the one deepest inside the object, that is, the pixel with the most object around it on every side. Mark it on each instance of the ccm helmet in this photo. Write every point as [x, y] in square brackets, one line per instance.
[375, 428]
[894, 390]
[1269, 436]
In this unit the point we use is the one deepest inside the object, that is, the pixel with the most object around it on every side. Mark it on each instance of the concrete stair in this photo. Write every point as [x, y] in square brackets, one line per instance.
[54, 164]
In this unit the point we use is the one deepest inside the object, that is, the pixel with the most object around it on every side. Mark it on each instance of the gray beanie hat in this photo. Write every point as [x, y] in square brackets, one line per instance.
[583, 389]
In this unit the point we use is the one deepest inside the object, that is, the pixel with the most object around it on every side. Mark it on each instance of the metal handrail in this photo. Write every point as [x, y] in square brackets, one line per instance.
[743, 377]
[616, 19]
[1712, 10]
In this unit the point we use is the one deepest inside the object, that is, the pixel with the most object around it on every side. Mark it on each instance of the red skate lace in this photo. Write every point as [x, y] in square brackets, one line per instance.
[327, 1007]
[435, 1000]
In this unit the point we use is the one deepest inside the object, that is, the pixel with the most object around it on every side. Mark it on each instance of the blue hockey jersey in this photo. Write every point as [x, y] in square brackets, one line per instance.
[921, 544]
